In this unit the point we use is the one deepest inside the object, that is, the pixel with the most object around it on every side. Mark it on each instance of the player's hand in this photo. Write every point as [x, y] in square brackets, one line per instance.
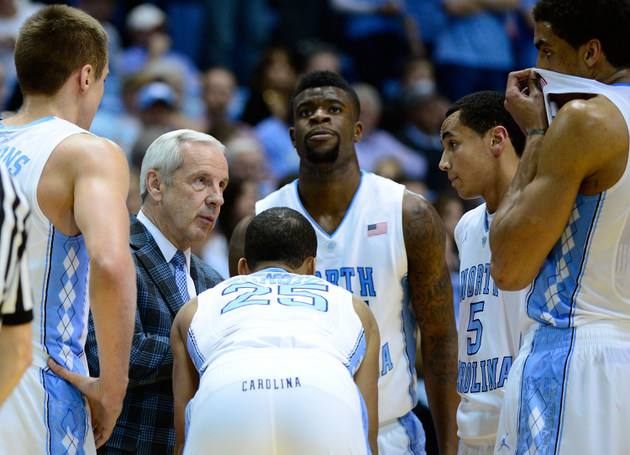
[105, 407]
[524, 100]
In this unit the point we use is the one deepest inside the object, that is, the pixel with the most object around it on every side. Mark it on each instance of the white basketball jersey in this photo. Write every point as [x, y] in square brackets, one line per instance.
[58, 264]
[489, 331]
[367, 256]
[273, 309]
[586, 276]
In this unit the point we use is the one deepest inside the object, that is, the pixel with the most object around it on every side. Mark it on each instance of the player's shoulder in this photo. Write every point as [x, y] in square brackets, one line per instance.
[591, 115]
[88, 151]
[416, 205]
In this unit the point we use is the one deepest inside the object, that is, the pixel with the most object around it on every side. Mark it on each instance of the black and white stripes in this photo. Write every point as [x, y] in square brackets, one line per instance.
[15, 300]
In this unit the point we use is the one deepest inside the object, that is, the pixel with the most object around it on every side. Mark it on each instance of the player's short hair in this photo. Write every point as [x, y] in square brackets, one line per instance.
[281, 235]
[53, 43]
[482, 111]
[578, 21]
[165, 154]
[316, 79]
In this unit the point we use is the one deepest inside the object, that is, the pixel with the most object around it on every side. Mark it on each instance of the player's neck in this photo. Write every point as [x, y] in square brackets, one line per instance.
[326, 196]
[36, 107]
[618, 77]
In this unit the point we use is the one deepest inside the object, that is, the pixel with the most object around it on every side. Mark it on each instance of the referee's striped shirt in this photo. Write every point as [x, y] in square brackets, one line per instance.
[16, 303]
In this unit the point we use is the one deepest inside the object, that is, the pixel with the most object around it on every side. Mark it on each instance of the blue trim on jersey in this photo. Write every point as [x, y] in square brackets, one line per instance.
[365, 420]
[195, 353]
[313, 222]
[66, 417]
[65, 301]
[45, 281]
[415, 433]
[357, 354]
[409, 336]
[554, 293]
[41, 120]
[543, 387]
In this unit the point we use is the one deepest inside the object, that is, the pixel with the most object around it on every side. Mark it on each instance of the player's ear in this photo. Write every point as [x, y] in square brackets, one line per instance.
[498, 139]
[242, 267]
[592, 52]
[358, 131]
[312, 265]
[292, 136]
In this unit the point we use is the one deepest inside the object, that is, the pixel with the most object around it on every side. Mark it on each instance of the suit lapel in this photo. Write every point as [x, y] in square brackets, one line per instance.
[151, 259]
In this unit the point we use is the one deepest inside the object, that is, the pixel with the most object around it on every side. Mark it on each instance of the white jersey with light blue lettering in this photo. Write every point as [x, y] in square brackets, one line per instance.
[489, 332]
[276, 353]
[274, 309]
[367, 256]
[58, 267]
[586, 276]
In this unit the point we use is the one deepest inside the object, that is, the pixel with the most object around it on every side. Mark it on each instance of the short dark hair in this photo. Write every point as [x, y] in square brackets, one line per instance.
[482, 111]
[282, 235]
[53, 43]
[316, 79]
[578, 21]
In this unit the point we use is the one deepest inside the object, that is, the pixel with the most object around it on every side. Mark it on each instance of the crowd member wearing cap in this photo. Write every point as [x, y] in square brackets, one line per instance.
[158, 107]
[151, 52]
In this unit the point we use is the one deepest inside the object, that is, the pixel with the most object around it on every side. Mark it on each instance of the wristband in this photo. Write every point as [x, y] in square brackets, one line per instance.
[535, 131]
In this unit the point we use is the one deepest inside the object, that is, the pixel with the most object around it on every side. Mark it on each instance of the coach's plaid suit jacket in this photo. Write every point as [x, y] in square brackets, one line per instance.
[145, 425]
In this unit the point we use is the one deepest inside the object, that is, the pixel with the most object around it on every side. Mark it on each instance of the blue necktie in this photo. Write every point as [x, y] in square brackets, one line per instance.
[179, 262]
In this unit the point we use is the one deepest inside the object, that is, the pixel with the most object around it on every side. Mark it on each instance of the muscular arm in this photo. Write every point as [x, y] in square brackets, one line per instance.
[581, 151]
[432, 300]
[366, 376]
[98, 174]
[185, 375]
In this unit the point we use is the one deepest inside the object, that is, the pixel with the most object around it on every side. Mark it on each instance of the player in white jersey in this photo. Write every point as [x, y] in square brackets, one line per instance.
[565, 226]
[482, 145]
[76, 184]
[270, 355]
[16, 302]
[385, 245]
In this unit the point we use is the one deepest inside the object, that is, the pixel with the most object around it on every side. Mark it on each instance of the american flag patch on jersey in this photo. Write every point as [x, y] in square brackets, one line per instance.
[377, 229]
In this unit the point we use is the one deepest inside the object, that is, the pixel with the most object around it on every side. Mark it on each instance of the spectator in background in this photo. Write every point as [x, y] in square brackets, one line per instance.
[424, 112]
[151, 46]
[474, 50]
[12, 14]
[247, 161]
[322, 57]
[379, 35]
[157, 105]
[377, 144]
[268, 109]
[237, 33]
[219, 90]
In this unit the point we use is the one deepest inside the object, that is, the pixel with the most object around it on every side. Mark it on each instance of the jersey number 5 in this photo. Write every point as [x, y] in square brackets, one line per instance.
[474, 325]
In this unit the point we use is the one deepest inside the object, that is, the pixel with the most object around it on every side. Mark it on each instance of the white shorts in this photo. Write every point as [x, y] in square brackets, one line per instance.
[467, 449]
[45, 415]
[277, 404]
[404, 435]
[567, 393]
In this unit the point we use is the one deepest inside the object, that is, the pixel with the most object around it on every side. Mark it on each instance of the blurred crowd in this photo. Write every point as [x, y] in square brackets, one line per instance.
[229, 67]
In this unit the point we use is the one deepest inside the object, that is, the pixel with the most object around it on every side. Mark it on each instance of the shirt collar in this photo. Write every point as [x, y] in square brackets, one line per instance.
[167, 249]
